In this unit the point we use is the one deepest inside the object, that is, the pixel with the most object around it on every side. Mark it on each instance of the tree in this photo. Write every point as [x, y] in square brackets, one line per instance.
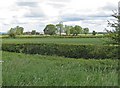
[50, 29]
[12, 33]
[94, 33]
[114, 34]
[86, 31]
[15, 31]
[19, 30]
[60, 27]
[33, 32]
[76, 30]
[67, 29]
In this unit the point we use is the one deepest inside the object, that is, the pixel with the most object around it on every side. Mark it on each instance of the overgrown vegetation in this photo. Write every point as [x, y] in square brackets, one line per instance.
[37, 70]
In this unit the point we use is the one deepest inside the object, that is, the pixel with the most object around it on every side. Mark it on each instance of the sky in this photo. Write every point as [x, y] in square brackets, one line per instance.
[36, 14]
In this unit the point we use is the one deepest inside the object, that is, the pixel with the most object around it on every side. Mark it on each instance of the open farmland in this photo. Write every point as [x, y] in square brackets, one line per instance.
[46, 43]
[37, 70]
[59, 62]
[96, 41]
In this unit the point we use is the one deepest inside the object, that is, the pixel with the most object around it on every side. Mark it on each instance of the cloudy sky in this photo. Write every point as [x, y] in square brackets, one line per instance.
[35, 14]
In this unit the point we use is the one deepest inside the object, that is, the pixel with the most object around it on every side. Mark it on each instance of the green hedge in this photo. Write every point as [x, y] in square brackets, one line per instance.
[66, 50]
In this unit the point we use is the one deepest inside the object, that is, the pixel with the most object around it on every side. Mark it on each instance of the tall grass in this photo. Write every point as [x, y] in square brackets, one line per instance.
[37, 70]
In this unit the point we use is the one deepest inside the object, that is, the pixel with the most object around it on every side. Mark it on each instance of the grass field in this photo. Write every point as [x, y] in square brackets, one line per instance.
[0, 63]
[37, 70]
[57, 40]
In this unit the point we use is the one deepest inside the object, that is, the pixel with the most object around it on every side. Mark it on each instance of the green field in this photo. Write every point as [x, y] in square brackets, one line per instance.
[57, 40]
[37, 70]
[41, 70]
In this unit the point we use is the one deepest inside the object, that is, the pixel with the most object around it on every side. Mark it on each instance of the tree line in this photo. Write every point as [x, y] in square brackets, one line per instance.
[52, 29]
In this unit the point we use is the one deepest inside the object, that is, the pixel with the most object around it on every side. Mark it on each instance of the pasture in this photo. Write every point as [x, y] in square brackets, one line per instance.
[37, 70]
[96, 41]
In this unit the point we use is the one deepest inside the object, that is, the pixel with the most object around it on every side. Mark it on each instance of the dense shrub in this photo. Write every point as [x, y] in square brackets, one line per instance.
[66, 50]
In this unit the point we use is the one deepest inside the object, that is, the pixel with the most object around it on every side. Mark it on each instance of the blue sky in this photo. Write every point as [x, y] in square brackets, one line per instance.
[35, 14]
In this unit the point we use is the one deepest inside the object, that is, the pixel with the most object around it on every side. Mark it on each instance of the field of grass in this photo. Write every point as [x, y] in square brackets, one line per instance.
[57, 40]
[36, 70]
[0, 63]
[0, 69]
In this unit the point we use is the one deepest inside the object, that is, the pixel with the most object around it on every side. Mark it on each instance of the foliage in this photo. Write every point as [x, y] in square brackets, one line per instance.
[19, 30]
[76, 30]
[94, 33]
[37, 70]
[85, 30]
[12, 33]
[50, 29]
[114, 34]
[67, 29]
[15, 31]
[66, 50]
[59, 28]
[33, 32]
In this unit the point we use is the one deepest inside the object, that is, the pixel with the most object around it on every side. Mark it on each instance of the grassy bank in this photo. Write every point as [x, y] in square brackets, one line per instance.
[37, 70]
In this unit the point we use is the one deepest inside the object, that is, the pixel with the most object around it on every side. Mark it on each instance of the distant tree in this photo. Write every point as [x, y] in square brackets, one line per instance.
[15, 31]
[72, 30]
[12, 33]
[94, 33]
[37, 33]
[33, 32]
[67, 29]
[27, 33]
[19, 30]
[59, 27]
[76, 30]
[50, 29]
[85, 30]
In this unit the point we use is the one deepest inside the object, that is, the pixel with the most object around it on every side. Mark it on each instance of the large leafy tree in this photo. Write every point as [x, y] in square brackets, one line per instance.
[15, 31]
[50, 29]
[76, 30]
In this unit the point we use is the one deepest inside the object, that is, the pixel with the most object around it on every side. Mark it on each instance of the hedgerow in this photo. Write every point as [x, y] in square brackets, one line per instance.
[66, 50]
[56, 36]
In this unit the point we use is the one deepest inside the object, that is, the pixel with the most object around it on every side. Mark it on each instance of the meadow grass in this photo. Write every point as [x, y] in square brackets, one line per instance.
[37, 70]
[95, 41]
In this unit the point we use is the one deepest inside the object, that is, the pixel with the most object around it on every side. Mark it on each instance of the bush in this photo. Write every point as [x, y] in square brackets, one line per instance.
[66, 50]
